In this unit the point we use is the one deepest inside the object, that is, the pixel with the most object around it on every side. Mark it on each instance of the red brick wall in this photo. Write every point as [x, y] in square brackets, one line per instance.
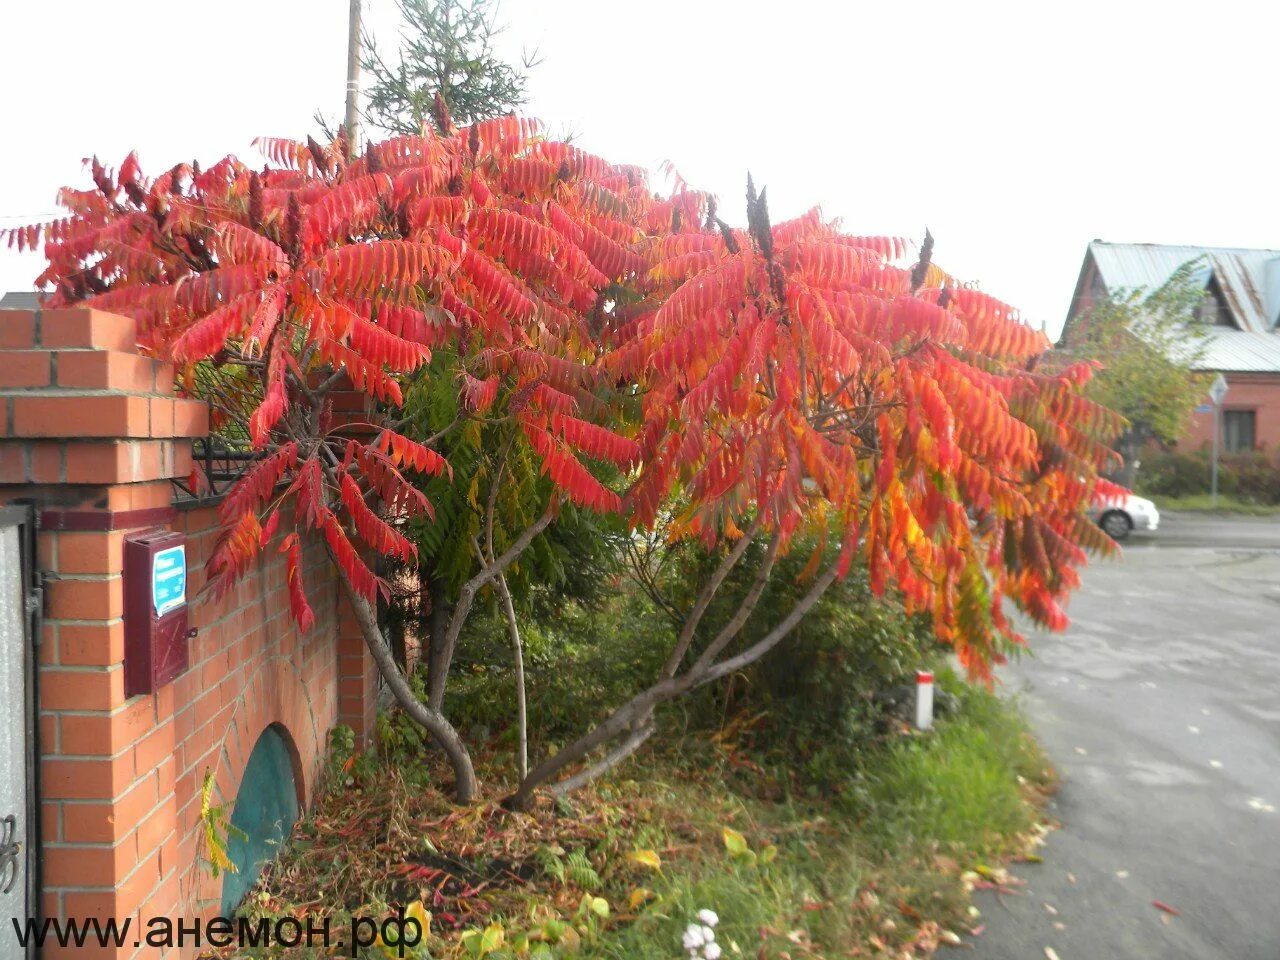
[1259, 392]
[90, 435]
[250, 668]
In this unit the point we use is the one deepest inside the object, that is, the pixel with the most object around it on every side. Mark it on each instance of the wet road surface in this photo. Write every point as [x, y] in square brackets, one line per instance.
[1160, 707]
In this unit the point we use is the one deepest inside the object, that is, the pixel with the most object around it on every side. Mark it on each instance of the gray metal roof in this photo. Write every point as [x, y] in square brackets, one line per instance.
[1240, 351]
[1250, 285]
[1249, 279]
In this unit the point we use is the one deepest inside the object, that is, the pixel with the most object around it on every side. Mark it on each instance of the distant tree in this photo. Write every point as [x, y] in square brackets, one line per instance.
[445, 49]
[1148, 343]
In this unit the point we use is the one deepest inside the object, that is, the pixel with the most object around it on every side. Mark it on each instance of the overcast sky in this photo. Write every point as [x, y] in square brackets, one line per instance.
[1016, 132]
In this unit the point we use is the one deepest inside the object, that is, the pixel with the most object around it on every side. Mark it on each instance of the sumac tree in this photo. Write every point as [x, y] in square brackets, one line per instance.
[797, 381]
[761, 385]
[275, 289]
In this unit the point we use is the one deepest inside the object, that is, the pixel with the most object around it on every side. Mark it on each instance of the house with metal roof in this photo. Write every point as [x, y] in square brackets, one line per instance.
[1241, 314]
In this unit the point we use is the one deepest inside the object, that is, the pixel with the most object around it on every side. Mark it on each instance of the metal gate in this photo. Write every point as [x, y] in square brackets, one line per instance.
[19, 818]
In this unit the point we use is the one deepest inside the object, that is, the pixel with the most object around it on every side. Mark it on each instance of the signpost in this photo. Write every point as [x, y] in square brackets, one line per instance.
[1217, 393]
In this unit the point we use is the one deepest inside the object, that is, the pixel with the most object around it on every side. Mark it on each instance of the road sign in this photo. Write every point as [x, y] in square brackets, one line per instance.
[1218, 391]
[169, 580]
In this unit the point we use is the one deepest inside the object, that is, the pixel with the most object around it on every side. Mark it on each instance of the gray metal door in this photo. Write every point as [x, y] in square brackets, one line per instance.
[19, 823]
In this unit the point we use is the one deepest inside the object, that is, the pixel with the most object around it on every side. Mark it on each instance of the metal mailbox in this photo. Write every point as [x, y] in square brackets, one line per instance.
[155, 610]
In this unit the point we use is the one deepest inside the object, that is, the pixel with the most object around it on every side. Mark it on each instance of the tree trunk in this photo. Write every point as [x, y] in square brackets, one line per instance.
[434, 723]
[1129, 446]
[642, 732]
[636, 714]
[461, 608]
[437, 630]
[517, 650]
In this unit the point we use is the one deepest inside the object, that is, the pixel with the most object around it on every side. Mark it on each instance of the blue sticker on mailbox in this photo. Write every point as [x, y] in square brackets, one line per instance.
[169, 580]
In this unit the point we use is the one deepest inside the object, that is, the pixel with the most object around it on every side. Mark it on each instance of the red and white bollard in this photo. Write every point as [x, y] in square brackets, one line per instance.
[924, 699]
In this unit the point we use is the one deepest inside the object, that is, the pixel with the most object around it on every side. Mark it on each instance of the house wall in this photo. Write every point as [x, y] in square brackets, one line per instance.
[1259, 392]
[90, 436]
[1089, 290]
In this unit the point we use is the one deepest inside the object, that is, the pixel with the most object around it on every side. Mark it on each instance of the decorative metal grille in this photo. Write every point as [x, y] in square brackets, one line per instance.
[223, 465]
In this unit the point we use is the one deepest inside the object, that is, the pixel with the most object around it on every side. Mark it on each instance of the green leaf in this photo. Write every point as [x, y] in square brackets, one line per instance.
[735, 843]
[491, 939]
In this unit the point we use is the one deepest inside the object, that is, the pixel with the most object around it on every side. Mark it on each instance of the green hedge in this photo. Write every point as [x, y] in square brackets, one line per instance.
[1251, 477]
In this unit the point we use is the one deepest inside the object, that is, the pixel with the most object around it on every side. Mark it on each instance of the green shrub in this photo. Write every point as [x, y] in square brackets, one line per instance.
[1252, 477]
[808, 702]
[1174, 474]
[811, 698]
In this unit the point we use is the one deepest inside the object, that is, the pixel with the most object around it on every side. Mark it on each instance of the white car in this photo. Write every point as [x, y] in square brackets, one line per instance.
[1120, 516]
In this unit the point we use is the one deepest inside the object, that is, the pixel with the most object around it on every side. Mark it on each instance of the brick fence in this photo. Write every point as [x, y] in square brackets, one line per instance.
[91, 436]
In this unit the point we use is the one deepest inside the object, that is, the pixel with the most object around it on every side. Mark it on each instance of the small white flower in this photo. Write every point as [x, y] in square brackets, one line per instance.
[708, 935]
[711, 951]
[708, 917]
[693, 938]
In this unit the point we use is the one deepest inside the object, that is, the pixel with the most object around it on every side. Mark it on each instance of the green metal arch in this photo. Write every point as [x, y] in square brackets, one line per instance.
[265, 811]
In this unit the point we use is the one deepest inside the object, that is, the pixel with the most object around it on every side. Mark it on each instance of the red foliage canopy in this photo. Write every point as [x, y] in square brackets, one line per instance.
[792, 372]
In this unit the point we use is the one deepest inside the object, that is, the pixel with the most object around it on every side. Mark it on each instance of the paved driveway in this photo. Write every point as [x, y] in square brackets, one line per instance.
[1161, 709]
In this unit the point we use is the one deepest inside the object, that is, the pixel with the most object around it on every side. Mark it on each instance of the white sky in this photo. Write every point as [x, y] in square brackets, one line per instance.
[1015, 131]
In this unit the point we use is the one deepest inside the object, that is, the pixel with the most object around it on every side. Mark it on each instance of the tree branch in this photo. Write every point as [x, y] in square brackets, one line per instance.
[610, 760]
[431, 720]
[638, 709]
[708, 594]
[739, 619]
[467, 595]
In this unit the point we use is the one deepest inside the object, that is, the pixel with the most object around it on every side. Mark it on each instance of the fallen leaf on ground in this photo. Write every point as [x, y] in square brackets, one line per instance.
[1122, 874]
[1071, 878]
[1051, 908]
[1059, 926]
[945, 864]
[1161, 905]
[646, 858]
[1051, 953]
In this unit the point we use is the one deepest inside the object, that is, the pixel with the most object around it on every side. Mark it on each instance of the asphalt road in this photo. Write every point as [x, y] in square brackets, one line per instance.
[1160, 707]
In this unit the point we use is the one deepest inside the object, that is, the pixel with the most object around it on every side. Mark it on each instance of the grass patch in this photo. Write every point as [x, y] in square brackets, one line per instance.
[621, 869]
[1203, 503]
[960, 786]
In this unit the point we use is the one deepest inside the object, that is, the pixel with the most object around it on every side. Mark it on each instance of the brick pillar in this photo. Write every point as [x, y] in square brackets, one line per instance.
[357, 676]
[357, 673]
[90, 433]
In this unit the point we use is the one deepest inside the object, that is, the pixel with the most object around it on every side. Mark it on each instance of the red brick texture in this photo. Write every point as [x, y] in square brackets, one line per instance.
[1259, 392]
[91, 433]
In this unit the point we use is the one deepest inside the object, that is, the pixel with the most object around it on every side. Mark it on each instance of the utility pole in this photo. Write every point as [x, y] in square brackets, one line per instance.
[353, 80]
[1213, 471]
